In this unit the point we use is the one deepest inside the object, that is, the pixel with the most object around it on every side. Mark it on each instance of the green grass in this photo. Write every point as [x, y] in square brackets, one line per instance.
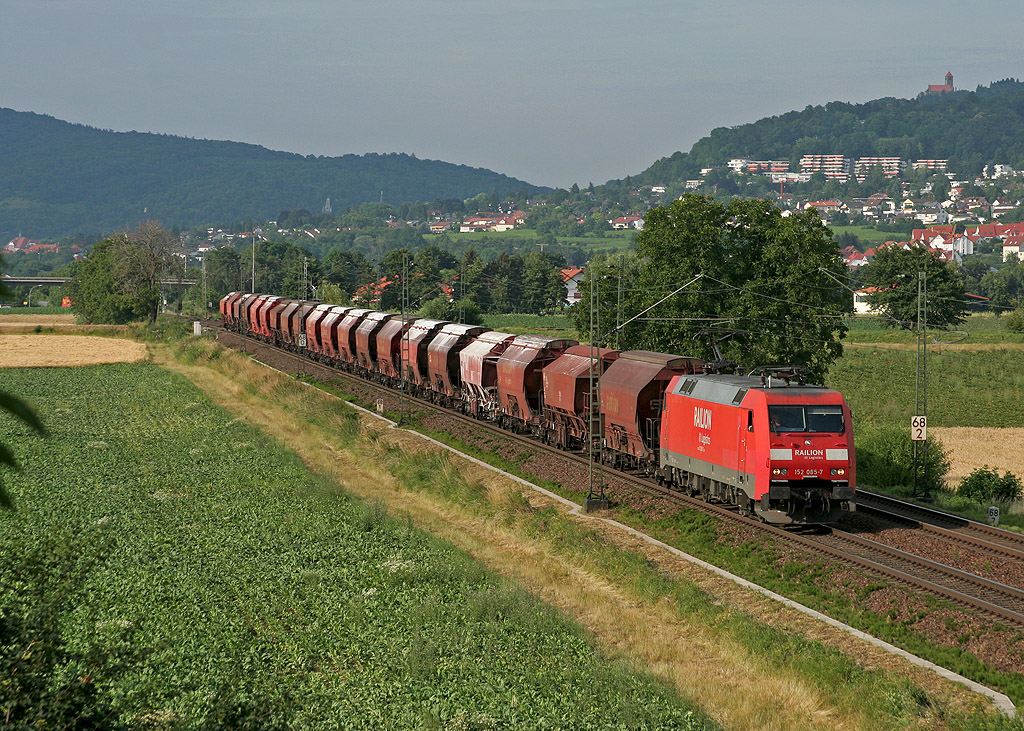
[965, 388]
[523, 238]
[550, 325]
[869, 234]
[237, 588]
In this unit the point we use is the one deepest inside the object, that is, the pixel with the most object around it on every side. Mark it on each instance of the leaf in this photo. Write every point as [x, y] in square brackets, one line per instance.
[7, 457]
[20, 409]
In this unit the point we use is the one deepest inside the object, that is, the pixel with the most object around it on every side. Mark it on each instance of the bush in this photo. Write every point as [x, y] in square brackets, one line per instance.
[1015, 321]
[985, 485]
[885, 458]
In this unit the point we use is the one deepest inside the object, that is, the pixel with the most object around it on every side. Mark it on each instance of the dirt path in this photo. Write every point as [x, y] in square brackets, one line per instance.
[722, 677]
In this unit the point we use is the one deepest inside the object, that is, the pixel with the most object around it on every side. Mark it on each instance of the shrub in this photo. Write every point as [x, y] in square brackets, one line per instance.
[985, 485]
[885, 458]
[1015, 321]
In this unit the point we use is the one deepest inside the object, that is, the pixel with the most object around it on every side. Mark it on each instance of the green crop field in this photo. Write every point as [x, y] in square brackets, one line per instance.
[159, 574]
[551, 325]
[869, 235]
[525, 240]
[965, 387]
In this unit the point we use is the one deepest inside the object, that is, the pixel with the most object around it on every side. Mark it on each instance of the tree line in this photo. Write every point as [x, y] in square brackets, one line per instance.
[120, 279]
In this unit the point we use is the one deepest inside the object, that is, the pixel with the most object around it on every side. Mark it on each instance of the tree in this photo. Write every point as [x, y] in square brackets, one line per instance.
[96, 296]
[894, 275]
[120, 280]
[754, 277]
[543, 287]
[145, 258]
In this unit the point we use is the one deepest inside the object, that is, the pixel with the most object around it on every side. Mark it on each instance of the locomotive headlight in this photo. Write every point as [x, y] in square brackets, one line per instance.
[838, 471]
[780, 471]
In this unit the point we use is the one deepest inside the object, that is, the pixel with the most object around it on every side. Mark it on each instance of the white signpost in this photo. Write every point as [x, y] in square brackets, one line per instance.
[993, 515]
[919, 428]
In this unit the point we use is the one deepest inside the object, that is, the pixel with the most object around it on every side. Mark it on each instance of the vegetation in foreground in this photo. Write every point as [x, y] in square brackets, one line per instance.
[166, 576]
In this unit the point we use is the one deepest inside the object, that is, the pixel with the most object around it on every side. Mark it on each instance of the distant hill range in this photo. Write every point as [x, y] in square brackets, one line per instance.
[58, 178]
[969, 128]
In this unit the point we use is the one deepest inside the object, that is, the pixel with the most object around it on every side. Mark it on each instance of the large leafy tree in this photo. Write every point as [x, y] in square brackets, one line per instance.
[763, 285]
[94, 289]
[894, 275]
[120, 280]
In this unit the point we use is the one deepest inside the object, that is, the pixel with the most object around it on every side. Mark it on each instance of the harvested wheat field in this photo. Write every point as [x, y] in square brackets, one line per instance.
[971, 447]
[33, 351]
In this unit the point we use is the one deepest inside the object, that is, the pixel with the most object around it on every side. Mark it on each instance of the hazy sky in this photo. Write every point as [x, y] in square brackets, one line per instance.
[551, 92]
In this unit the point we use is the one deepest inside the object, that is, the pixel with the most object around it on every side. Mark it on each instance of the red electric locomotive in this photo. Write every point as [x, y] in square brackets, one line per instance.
[781, 451]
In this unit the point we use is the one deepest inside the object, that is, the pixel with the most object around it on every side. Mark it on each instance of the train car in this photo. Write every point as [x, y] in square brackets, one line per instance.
[414, 351]
[521, 381]
[478, 370]
[248, 319]
[228, 313]
[238, 312]
[443, 360]
[329, 332]
[389, 346]
[293, 322]
[259, 319]
[632, 393]
[347, 335]
[782, 453]
[314, 346]
[567, 385]
[366, 339]
[275, 318]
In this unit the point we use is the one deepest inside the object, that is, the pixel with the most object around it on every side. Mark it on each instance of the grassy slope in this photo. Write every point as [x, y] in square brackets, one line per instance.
[251, 587]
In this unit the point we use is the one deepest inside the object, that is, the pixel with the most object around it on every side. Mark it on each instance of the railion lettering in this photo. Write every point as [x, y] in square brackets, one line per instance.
[701, 418]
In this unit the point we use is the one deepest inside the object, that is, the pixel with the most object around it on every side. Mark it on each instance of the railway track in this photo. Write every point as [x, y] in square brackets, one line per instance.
[1001, 603]
[1002, 543]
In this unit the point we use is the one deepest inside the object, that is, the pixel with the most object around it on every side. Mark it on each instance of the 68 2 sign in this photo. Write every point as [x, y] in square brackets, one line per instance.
[918, 428]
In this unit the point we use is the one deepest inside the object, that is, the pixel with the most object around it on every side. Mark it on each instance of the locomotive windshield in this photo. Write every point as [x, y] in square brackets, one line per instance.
[806, 419]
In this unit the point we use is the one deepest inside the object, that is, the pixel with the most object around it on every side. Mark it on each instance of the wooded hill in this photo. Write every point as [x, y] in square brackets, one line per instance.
[969, 128]
[58, 178]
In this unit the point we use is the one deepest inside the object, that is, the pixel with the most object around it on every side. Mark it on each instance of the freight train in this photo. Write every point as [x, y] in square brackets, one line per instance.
[778, 449]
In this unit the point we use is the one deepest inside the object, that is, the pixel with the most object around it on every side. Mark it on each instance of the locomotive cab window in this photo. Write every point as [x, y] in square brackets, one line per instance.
[806, 419]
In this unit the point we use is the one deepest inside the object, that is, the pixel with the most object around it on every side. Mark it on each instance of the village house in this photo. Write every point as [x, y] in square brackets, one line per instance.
[20, 243]
[492, 221]
[943, 238]
[1012, 245]
[625, 222]
[572, 278]
[861, 306]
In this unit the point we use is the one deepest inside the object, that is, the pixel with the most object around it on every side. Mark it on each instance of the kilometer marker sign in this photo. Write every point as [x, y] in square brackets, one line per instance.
[918, 428]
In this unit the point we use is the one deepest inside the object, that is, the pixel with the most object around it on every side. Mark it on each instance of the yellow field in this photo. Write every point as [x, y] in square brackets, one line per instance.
[32, 351]
[971, 447]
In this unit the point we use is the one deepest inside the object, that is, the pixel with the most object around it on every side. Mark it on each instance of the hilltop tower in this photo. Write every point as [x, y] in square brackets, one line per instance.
[327, 206]
[941, 88]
